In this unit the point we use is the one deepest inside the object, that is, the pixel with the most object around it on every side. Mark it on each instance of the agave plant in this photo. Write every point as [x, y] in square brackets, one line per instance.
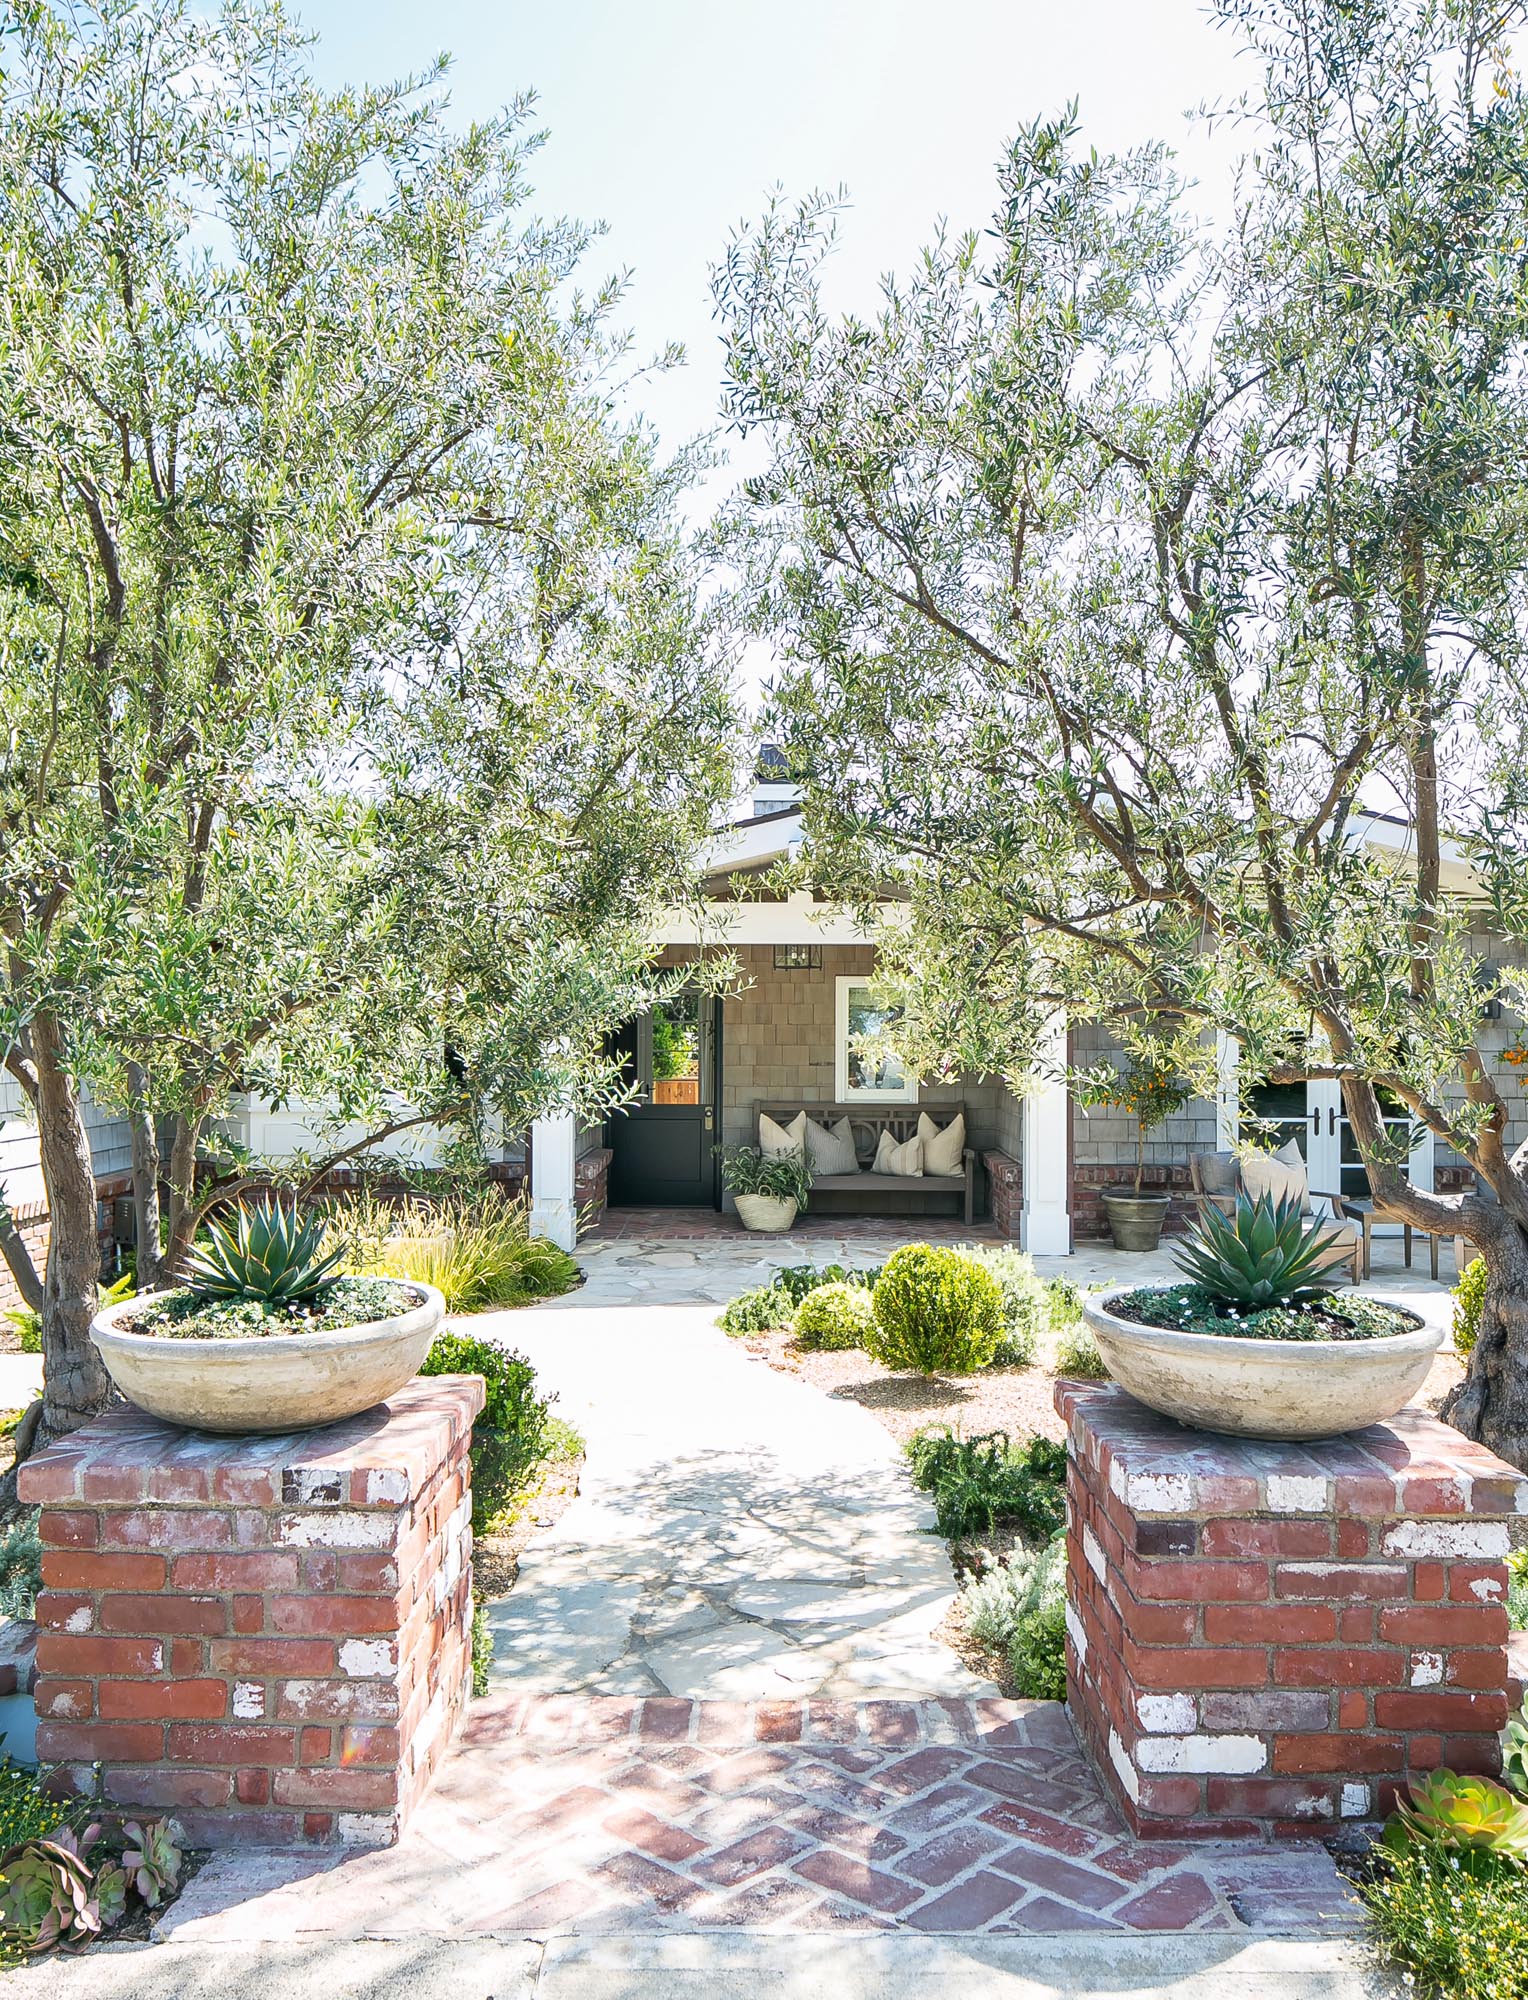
[269, 1252]
[152, 1858]
[1263, 1256]
[1475, 1815]
[47, 1894]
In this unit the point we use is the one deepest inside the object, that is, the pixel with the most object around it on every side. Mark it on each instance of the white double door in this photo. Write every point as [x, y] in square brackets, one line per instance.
[1332, 1160]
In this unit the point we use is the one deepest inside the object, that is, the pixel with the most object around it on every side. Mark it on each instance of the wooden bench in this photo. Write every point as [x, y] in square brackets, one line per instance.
[867, 1122]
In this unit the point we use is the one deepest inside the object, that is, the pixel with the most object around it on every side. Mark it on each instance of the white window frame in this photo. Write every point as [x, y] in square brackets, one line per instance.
[909, 1091]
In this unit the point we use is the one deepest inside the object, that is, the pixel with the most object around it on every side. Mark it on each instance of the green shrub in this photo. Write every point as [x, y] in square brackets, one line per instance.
[759, 1311]
[1063, 1303]
[27, 1327]
[1458, 1925]
[834, 1317]
[936, 1312]
[1077, 1354]
[985, 1482]
[21, 1566]
[482, 1650]
[1025, 1300]
[1469, 1302]
[1517, 1589]
[515, 1434]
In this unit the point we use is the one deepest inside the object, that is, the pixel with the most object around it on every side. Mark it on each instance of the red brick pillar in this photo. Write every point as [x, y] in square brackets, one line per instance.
[269, 1636]
[1267, 1638]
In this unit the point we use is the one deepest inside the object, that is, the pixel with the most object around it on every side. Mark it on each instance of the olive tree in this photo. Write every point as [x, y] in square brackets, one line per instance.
[360, 713]
[1151, 597]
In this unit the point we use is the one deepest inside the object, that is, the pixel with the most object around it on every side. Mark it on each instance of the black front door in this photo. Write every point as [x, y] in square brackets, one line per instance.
[661, 1144]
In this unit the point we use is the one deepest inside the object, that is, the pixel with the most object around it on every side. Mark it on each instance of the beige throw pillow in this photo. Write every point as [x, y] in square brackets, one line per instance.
[943, 1152]
[890, 1158]
[830, 1148]
[1277, 1176]
[782, 1142]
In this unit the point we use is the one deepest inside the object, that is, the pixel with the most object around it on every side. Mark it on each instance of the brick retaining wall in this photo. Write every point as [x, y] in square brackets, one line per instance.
[1268, 1638]
[270, 1636]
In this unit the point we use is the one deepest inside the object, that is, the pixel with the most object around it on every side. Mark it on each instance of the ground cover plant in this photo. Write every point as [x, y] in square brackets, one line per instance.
[766, 1307]
[981, 1483]
[1015, 1605]
[1447, 1885]
[68, 1875]
[1326, 1316]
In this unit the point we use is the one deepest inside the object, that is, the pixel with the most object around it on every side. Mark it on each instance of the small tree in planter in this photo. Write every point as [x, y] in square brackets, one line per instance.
[1151, 1089]
[770, 1191]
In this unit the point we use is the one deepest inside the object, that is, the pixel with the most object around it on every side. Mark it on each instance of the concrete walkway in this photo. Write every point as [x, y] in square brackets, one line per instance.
[738, 1535]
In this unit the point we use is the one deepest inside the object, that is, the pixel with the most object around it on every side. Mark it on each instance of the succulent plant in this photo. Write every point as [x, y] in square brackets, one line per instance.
[47, 1895]
[1514, 1756]
[110, 1887]
[1447, 1809]
[152, 1858]
[270, 1252]
[1263, 1256]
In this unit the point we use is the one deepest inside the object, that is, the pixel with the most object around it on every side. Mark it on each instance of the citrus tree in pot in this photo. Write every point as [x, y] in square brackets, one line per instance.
[1150, 1089]
[268, 1334]
[1253, 1340]
[770, 1190]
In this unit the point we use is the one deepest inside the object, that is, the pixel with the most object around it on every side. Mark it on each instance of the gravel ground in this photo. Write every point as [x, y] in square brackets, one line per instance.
[1017, 1400]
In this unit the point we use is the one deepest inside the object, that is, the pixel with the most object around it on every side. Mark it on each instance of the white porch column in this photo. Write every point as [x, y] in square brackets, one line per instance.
[554, 1149]
[1045, 1227]
[1227, 1092]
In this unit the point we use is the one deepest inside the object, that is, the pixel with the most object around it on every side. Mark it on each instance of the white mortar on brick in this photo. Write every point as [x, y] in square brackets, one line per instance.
[366, 1829]
[1486, 1540]
[1296, 1493]
[1119, 1757]
[248, 1700]
[369, 1657]
[348, 1530]
[79, 1621]
[1355, 1801]
[1094, 1554]
[389, 1487]
[1426, 1670]
[1172, 1714]
[1488, 1589]
[1223, 1754]
[1078, 1636]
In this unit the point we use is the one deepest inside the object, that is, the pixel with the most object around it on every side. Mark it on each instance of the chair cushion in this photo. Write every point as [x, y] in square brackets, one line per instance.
[830, 1148]
[1276, 1176]
[1217, 1172]
[942, 1151]
[890, 1158]
[782, 1142]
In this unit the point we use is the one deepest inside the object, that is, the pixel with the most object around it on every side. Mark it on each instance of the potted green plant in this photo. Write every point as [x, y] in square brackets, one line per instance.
[1150, 1090]
[267, 1334]
[1252, 1341]
[770, 1191]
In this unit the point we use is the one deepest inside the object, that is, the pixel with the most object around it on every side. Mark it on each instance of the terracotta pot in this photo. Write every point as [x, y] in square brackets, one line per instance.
[767, 1212]
[274, 1382]
[1135, 1220]
[1280, 1389]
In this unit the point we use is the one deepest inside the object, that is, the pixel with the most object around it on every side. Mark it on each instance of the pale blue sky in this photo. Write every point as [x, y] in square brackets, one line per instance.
[670, 120]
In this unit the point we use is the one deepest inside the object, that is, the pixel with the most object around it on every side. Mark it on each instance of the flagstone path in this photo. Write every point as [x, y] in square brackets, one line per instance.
[737, 1534]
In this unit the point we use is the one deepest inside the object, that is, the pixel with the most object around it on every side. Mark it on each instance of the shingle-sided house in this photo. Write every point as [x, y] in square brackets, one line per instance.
[782, 1040]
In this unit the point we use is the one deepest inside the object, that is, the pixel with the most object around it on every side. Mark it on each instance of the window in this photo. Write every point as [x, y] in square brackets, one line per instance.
[867, 1071]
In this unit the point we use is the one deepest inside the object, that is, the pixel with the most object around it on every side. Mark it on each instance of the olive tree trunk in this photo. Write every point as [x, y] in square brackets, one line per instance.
[1491, 1404]
[75, 1383]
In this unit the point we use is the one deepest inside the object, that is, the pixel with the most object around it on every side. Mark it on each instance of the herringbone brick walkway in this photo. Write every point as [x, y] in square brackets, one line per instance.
[562, 1814]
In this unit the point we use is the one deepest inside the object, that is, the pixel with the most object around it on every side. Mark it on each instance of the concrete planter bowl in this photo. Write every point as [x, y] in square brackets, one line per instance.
[281, 1382]
[1276, 1389]
[766, 1212]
